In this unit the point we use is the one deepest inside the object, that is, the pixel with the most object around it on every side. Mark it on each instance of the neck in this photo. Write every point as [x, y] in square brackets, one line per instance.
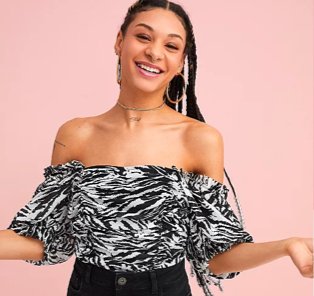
[142, 100]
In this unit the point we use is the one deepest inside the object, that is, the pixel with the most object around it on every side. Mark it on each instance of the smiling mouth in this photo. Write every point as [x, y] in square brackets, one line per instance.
[148, 70]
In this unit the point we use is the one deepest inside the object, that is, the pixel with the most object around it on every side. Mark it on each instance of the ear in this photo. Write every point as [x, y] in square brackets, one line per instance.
[118, 43]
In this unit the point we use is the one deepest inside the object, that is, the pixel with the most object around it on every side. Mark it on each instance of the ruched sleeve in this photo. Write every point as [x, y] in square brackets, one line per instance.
[47, 216]
[213, 228]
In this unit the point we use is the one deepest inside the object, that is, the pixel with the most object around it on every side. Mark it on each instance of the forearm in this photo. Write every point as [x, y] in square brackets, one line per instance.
[14, 246]
[245, 256]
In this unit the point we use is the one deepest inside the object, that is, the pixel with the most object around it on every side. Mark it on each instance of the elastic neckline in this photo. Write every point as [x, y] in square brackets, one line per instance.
[191, 175]
[128, 166]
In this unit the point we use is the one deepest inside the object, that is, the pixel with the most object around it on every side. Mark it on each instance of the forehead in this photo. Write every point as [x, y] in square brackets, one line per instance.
[163, 22]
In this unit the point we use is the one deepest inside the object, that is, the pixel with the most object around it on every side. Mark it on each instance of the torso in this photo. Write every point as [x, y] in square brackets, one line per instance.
[102, 141]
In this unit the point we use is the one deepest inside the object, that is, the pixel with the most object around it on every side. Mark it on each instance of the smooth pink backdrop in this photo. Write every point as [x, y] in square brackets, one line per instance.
[254, 83]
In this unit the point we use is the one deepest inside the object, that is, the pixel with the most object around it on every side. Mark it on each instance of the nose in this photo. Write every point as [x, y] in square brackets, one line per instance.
[154, 52]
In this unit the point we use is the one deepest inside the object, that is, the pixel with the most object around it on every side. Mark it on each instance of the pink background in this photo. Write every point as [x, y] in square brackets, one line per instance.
[255, 61]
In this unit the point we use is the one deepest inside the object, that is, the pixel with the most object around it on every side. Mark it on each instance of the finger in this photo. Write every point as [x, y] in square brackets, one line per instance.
[307, 271]
[302, 258]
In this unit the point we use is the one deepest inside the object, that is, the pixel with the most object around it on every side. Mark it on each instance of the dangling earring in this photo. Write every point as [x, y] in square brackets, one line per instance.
[118, 71]
[183, 92]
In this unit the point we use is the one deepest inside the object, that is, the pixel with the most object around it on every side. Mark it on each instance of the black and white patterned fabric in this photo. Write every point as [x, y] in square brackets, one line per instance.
[131, 218]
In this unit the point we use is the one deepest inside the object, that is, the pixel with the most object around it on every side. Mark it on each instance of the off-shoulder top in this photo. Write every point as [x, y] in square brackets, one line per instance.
[131, 218]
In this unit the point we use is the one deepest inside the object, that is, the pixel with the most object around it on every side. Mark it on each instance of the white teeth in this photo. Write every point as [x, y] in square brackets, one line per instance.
[149, 68]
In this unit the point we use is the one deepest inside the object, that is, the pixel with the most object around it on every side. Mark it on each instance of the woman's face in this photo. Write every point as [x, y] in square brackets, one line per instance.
[156, 37]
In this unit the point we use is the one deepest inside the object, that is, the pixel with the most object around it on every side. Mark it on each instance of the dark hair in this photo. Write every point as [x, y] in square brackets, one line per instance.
[175, 87]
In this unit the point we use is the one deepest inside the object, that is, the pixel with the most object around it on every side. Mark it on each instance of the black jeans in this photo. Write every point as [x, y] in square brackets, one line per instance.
[91, 280]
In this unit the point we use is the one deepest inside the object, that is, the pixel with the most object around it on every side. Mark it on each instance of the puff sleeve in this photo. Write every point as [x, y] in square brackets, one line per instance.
[213, 228]
[47, 216]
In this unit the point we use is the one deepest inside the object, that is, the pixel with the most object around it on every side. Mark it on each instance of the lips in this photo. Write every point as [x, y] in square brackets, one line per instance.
[147, 74]
[150, 66]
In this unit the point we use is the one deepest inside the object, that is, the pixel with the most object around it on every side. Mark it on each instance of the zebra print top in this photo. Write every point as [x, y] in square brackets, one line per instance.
[131, 218]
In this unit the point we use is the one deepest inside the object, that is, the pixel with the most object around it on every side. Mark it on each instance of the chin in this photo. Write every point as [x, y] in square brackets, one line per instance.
[146, 90]
[145, 86]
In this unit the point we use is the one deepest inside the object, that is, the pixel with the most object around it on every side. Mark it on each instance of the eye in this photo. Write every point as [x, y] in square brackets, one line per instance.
[141, 36]
[172, 46]
[145, 37]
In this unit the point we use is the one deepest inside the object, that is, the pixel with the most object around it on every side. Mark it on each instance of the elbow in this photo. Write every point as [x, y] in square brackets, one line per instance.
[36, 249]
[221, 264]
[220, 269]
[19, 247]
[214, 267]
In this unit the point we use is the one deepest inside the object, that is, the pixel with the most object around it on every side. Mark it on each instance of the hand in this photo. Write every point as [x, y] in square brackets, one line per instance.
[301, 252]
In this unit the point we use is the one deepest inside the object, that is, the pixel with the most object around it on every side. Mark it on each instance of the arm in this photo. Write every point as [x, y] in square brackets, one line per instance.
[14, 246]
[249, 255]
[20, 247]
[210, 153]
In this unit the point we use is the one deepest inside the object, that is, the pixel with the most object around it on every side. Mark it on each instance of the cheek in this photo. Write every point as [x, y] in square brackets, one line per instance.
[130, 53]
[126, 59]
[132, 48]
[174, 63]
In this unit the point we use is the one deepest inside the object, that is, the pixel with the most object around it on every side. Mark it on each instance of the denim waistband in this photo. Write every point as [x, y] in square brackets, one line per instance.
[101, 274]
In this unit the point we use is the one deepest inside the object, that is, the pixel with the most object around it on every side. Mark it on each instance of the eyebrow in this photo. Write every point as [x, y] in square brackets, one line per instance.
[151, 29]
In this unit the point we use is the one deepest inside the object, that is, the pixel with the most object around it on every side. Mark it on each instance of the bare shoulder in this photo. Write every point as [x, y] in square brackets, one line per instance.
[206, 147]
[69, 138]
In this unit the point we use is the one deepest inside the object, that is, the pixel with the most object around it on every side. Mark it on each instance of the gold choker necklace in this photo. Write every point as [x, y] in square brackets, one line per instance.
[137, 118]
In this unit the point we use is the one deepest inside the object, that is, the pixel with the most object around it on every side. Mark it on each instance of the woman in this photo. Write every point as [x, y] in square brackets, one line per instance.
[131, 207]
